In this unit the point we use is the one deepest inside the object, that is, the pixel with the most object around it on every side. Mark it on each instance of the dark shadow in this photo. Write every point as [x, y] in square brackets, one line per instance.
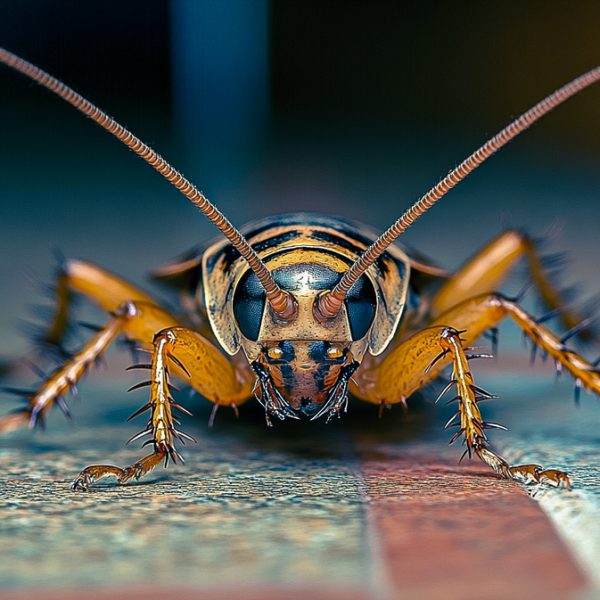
[320, 439]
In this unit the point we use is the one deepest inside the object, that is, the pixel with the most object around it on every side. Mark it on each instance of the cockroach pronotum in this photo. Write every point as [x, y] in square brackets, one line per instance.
[303, 310]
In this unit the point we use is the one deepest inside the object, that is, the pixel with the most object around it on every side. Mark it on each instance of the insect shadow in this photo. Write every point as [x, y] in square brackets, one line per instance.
[335, 440]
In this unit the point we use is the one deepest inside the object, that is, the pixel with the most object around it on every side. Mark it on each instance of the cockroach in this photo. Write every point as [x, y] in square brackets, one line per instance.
[302, 310]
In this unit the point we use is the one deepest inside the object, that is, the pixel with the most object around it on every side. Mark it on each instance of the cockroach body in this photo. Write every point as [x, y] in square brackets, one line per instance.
[303, 367]
[320, 308]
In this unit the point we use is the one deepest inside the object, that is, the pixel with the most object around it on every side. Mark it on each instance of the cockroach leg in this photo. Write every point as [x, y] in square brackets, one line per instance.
[472, 427]
[160, 426]
[92, 474]
[133, 313]
[420, 359]
[184, 354]
[134, 319]
[487, 269]
[103, 288]
[64, 378]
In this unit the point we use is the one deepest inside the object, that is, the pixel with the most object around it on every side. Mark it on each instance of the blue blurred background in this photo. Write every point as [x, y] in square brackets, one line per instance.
[341, 107]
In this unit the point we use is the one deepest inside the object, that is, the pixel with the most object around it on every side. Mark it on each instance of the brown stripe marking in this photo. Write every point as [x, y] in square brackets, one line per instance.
[456, 531]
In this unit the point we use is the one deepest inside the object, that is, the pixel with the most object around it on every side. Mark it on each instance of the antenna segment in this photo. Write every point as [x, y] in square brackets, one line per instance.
[281, 301]
[330, 303]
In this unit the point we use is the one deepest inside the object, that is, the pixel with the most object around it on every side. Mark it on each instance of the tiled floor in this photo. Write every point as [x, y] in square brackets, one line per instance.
[360, 508]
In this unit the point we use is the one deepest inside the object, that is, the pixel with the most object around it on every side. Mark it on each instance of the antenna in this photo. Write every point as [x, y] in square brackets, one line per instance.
[281, 301]
[329, 303]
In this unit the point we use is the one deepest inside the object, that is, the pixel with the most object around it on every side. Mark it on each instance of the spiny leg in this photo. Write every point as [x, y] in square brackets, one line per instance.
[472, 426]
[136, 320]
[78, 278]
[161, 426]
[103, 288]
[485, 272]
[63, 380]
[486, 311]
[188, 356]
[478, 314]
[419, 360]
[109, 292]
[139, 321]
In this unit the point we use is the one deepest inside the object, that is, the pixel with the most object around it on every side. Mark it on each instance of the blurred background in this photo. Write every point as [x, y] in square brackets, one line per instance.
[347, 108]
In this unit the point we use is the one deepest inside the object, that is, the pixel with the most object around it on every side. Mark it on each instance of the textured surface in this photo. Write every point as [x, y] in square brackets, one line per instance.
[448, 532]
[238, 513]
[359, 508]
[567, 436]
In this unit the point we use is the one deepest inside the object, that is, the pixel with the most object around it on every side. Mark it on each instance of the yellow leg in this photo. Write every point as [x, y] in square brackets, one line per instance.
[135, 471]
[472, 426]
[136, 315]
[478, 314]
[485, 272]
[105, 289]
[419, 360]
[408, 367]
[136, 320]
[188, 356]
[191, 358]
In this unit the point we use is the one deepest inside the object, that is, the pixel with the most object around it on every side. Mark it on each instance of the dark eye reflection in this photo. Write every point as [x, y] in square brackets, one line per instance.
[249, 298]
[360, 304]
[248, 305]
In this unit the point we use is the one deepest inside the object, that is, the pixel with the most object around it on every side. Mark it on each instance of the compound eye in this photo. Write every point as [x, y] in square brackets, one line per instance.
[249, 305]
[361, 303]
[275, 353]
[334, 352]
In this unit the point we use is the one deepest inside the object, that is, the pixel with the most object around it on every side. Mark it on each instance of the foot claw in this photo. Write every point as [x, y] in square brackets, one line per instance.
[93, 473]
[82, 483]
[530, 474]
[555, 478]
[525, 473]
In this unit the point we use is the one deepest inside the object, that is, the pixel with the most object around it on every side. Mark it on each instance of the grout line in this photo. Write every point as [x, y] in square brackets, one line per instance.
[379, 582]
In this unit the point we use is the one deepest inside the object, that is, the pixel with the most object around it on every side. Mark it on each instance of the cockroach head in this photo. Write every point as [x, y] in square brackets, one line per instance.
[303, 366]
